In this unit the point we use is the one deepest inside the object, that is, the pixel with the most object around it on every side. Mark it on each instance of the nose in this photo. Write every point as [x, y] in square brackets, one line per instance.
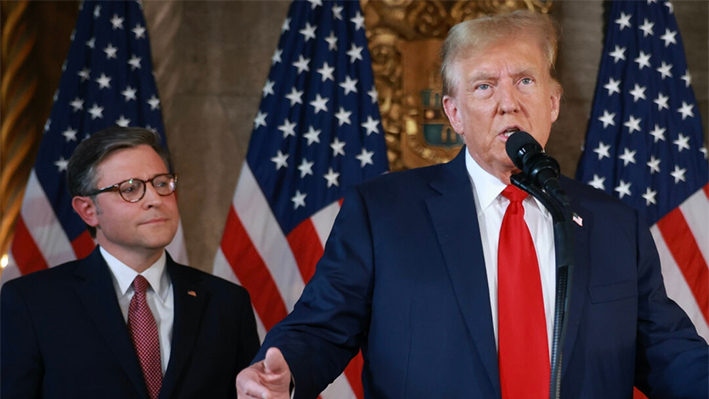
[507, 101]
[151, 197]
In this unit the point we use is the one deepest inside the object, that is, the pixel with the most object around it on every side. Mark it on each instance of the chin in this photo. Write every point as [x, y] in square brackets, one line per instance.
[159, 240]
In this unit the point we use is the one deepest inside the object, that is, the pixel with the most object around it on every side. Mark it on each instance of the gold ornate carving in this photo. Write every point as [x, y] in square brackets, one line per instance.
[35, 41]
[404, 41]
[17, 135]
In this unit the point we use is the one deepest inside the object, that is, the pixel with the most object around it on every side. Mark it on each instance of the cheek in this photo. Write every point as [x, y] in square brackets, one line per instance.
[171, 203]
[543, 138]
[111, 219]
[479, 142]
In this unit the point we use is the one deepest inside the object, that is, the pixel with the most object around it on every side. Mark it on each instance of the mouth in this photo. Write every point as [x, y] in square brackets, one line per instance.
[508, 132]
[155, 221]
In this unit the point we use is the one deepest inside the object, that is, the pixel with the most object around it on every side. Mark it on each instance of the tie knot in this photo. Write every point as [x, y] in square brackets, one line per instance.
[514, 194]
[140, 284]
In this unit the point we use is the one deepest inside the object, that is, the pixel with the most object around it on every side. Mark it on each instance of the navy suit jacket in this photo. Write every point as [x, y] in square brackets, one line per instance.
[404, 279]
[63, 335]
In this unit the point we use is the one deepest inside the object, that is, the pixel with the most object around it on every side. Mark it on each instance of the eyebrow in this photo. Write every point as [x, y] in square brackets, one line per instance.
[483, 76]
[494, 76]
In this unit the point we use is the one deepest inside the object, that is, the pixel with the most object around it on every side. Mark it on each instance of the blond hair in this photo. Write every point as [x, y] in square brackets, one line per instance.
[473, 35]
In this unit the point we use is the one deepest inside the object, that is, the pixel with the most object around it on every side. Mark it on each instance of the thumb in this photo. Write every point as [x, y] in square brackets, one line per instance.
[275, 362]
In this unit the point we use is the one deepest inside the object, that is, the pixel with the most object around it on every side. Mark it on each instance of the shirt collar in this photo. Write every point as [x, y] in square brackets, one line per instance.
[488, 187]
[124, 275]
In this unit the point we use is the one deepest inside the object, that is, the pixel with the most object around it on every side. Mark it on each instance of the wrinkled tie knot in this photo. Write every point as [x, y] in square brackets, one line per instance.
[514, 194]
[140, 284]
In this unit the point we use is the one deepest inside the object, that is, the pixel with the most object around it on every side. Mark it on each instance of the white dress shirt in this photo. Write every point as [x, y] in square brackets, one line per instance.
[491, 206]
[159, 296]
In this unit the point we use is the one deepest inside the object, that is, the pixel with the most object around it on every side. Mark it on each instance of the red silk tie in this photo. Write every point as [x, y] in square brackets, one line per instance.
[144, 333]
[523, 347]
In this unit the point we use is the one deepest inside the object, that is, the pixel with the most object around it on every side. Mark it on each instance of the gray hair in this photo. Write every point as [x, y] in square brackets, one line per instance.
[90, 153]
[476, 34]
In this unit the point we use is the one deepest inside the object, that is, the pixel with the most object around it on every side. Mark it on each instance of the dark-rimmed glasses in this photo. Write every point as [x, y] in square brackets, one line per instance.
[133, 190]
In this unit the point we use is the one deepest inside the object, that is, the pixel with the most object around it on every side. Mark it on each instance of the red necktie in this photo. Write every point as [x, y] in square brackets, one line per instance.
[144, 333]
[523, 347]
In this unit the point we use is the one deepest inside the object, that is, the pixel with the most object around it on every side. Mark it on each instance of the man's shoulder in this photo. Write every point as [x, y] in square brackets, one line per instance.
[47, 278]
[206, 280]
[609, 214]
[44, 287]
[407, 180]
[590, 196]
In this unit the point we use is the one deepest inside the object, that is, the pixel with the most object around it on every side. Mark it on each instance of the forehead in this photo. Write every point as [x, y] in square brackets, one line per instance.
[517, 52]
[127, 163]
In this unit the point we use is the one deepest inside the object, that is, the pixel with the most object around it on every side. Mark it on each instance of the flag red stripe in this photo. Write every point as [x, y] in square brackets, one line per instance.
[706, 190]
[684, 250]
[637, 394]
[83, 245]
[353, 372]
[25, 251]
[306, 248]
[251, 271]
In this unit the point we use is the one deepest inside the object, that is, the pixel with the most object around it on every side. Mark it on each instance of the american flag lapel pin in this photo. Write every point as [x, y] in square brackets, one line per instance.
[577, 219]
[192, 293]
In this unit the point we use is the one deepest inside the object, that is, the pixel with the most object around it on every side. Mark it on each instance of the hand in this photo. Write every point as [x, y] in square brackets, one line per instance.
[267, 379]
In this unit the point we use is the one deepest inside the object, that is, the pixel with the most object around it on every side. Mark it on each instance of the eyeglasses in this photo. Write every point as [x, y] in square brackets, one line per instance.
[133, 190]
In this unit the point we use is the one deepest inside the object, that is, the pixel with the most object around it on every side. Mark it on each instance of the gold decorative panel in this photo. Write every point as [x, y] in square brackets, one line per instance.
[404, 41]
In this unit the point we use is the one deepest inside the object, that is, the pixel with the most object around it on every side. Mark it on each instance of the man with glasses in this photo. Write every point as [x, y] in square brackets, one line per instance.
[126, 321]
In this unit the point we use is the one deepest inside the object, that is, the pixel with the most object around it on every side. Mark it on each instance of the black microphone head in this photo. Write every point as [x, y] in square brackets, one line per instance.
[520, 145]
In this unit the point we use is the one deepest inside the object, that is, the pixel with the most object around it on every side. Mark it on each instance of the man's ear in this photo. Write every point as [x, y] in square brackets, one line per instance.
[450, 107]
[87, 210]
[555, 104]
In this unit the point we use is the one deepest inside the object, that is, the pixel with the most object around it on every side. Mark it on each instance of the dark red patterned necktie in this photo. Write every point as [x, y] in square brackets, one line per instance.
[144, 333]
[523, 347]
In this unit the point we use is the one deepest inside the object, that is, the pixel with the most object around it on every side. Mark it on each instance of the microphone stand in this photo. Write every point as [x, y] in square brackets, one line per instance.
[556, 202]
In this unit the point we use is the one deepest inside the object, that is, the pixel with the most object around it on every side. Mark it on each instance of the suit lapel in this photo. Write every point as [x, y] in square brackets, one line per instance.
[190, 300]
[579, 278]
[94, 287]
[455, 221]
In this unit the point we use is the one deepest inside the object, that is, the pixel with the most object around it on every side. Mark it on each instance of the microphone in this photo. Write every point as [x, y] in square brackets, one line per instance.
[527, 155]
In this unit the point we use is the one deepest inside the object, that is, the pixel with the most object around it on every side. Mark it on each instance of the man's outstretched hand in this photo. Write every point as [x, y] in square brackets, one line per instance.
[268, 379]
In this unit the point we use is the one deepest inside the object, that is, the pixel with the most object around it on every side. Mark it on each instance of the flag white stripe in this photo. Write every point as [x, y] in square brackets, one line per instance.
[324, 219]
[43, 226]
[177, 248]
[676, 285]
[223, 269]
[338, 389]
[696, 213]
[267, 237]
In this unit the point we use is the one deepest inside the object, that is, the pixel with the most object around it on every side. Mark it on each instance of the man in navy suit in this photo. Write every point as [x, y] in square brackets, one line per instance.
[410, 275]
[73, 331]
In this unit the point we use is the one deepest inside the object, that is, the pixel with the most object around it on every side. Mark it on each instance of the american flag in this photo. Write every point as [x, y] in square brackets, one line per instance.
[106, 80]
[645, 145]
[317, 132]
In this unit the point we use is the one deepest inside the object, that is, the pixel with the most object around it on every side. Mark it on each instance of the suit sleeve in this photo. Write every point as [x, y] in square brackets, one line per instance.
[672, 359]
[21, 367]
[329, 322]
